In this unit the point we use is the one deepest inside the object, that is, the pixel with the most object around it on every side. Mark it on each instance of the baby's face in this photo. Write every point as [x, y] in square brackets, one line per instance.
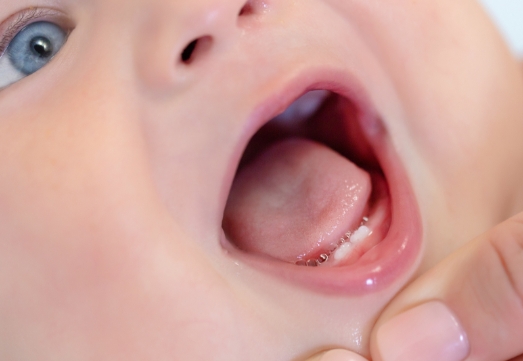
[126, 231]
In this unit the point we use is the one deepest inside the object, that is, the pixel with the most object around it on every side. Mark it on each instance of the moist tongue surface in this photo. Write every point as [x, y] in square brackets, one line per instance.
[295, 200]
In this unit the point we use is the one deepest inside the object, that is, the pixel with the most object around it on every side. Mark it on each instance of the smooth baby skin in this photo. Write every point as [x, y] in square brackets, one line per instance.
[116, 160]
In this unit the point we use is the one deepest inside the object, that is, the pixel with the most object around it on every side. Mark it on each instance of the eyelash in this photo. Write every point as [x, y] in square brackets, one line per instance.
[20, 21]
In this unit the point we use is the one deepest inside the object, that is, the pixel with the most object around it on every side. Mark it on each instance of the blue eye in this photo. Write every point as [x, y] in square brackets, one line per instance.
[30, 50]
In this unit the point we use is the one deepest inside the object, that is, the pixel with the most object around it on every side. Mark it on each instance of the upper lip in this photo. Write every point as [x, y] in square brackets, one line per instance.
[396, 257]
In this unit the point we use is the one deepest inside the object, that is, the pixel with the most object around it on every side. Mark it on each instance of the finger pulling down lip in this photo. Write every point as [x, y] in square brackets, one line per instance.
[395, 257]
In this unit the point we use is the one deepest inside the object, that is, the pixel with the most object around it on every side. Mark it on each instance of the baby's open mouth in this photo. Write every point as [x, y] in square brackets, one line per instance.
[309, 189]
[320, 197]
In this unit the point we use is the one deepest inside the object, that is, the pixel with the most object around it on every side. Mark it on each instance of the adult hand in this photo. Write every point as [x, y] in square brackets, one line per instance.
[469, 307]
[337, 355]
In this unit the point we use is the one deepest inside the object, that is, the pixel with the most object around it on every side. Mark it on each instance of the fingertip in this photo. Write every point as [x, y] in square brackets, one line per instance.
[428, 332]
[341, 355]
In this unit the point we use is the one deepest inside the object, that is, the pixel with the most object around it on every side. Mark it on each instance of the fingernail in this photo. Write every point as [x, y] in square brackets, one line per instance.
[341, 355]
[429, 332]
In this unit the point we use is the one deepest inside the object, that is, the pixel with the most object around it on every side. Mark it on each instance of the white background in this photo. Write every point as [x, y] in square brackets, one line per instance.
[509, 16]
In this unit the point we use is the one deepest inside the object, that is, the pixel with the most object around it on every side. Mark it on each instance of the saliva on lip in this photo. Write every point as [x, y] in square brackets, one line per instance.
[343, 248]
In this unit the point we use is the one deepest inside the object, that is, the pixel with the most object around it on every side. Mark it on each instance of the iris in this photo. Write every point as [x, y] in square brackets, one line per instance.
[34, 46]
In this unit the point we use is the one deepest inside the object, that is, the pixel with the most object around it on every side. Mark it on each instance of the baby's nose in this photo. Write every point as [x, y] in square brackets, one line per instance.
[182, 35]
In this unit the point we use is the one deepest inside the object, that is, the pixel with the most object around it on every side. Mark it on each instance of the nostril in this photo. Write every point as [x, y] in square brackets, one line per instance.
[247, 9]
[195, 49]
[252, 7]
[188, 51]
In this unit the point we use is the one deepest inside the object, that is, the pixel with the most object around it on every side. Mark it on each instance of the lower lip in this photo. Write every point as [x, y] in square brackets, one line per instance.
[390, 261]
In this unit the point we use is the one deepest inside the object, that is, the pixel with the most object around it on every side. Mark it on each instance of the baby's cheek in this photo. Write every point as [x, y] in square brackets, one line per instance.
[89, 258]
[106, 286]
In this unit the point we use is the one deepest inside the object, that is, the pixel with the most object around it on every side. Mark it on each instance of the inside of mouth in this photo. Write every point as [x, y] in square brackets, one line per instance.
[309, 189]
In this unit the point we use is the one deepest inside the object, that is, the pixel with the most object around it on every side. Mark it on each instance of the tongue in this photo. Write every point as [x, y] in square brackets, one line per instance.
[295, 201]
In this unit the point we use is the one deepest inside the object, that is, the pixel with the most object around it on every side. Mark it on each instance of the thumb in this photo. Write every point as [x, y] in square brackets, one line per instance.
[469, 307]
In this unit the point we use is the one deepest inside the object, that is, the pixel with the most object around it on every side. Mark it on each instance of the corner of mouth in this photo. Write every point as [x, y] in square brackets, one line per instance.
[393, 260]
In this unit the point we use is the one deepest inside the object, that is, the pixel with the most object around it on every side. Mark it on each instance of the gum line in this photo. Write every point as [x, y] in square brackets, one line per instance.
[324, 257]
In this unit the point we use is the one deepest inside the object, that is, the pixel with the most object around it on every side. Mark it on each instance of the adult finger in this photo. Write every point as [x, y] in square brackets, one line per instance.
[469, 307]
[337, 355]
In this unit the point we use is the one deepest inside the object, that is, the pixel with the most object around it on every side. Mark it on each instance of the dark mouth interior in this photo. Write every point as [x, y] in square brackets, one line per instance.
[335, 124]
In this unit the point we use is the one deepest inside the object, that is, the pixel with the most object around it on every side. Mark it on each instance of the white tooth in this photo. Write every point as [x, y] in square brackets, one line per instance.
[305, 106]
[343, 251]
[346, 248]
[360, 234]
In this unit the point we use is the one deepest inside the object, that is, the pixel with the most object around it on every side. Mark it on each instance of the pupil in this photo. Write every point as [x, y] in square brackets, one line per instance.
[41, 46]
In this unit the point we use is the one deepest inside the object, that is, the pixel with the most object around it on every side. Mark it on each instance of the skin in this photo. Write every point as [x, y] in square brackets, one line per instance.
[116, 160]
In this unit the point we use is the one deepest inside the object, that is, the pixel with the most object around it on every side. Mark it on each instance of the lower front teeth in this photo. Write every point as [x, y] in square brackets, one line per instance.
[360, 234]
[343, 248]
[343, 251]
